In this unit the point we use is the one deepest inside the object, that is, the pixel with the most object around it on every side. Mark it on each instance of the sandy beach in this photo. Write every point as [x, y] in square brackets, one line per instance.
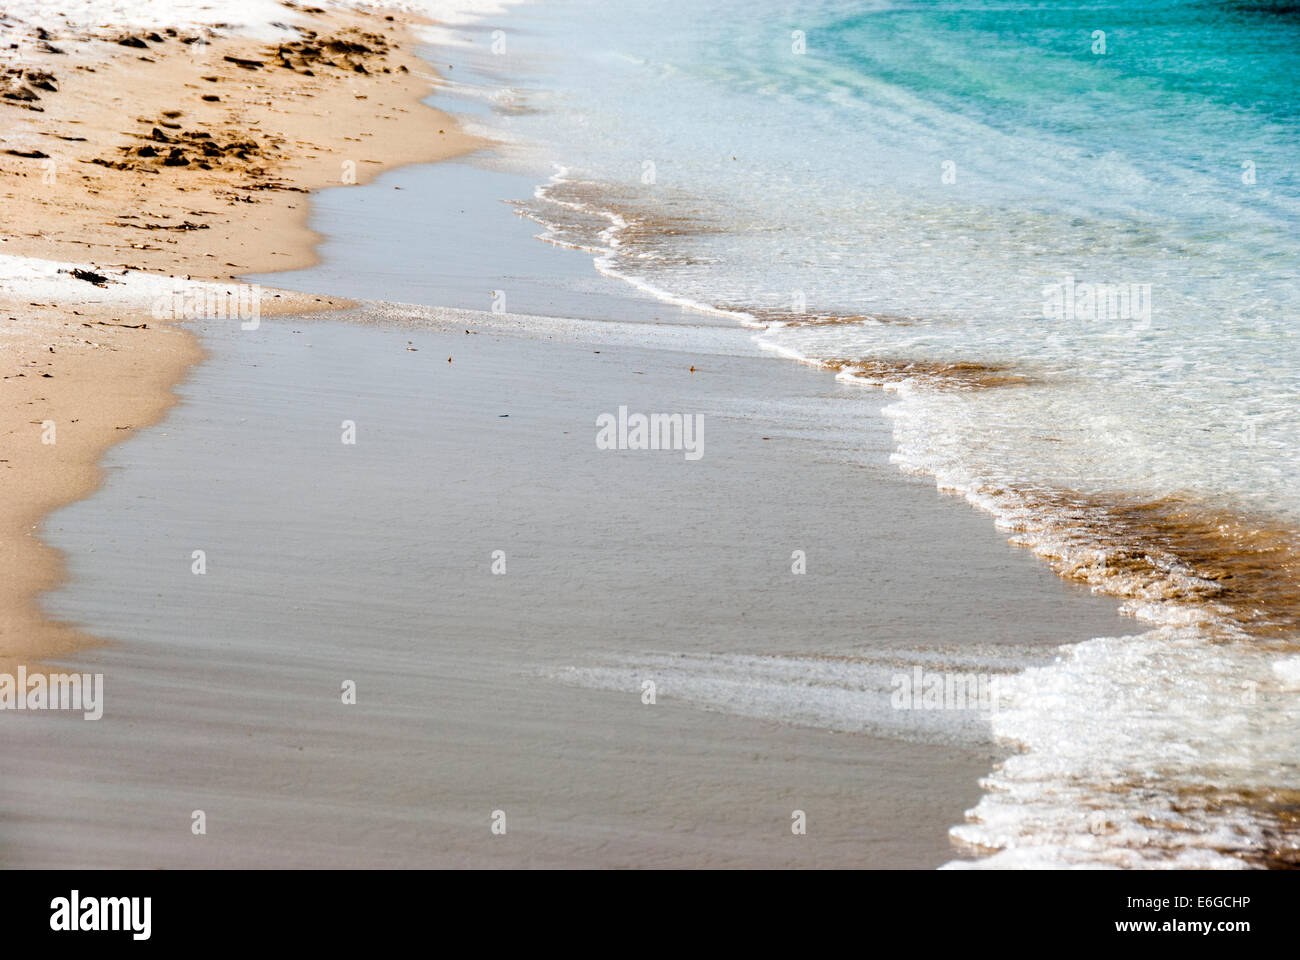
[587, 446]
[90, 161]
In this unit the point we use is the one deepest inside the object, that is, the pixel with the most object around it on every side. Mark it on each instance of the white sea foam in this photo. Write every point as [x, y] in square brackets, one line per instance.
[852, 694]
[1287, 672]
[1147, 751]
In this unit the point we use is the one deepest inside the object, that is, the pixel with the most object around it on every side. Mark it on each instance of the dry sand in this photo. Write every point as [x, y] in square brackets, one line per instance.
[90, 166]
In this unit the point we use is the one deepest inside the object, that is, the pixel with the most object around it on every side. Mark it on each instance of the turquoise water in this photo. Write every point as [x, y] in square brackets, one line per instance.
[930, 176]
[945, 163]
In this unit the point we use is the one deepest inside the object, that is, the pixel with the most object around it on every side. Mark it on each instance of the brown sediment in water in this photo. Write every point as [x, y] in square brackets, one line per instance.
[829, 320]
[1284, 847]
[790, 318]
[1244, 570]
[1270, 842]
[644, 225]
[936, 374]
[1278, 809]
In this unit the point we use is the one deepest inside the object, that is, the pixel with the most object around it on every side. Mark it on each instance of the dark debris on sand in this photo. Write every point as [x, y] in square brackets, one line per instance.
[348, 50]
[21, 83]
[98, 279]
[169, 144]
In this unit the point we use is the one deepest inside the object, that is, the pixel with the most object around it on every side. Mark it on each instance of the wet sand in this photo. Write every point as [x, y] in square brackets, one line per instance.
[371, 562]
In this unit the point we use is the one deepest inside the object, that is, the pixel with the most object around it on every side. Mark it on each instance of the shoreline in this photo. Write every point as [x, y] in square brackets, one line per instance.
[371, 562]
[159, 360]
[117, 118]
